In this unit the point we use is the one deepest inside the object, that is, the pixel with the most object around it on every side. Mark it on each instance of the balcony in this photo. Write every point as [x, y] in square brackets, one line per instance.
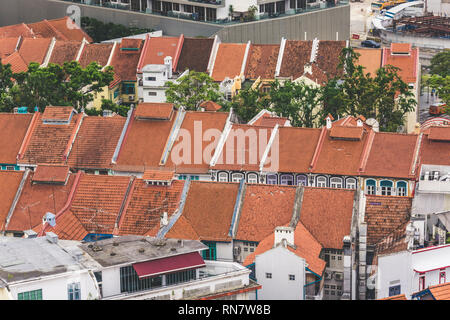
[434, 179]
[136, 6]
[216, 278]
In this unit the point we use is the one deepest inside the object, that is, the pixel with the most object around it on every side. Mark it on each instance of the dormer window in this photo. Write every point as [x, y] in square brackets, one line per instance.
[158, 177]
[57, 115]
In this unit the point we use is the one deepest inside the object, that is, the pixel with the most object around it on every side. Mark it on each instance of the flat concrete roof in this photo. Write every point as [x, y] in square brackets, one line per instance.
[133, 249]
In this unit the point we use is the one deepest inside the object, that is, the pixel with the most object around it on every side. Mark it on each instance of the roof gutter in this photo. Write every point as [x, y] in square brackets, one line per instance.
[366, 151]
[222, 139]
[123, 135]
[280, 57]
[27, 138]
[413, 167]
[173, 135]
[73, 136]
[124, 206]
[16, 198]
[237, 208]
[318, 149]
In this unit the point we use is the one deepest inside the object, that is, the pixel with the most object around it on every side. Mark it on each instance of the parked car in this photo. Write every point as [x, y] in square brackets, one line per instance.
[437, 109]
[370, 44]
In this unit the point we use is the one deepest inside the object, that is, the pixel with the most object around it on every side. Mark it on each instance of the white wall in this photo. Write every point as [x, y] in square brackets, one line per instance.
[55, 288]
[224, 251]
[111, 281]
[160, 95]
[394, 269]
[281, 263]
[161, 79]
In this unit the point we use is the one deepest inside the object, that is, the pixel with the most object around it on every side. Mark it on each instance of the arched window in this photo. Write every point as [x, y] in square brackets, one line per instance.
[252, 178]
[287, 179]
[401, 188]
[350, 183]
[386, 187]
[321, 182]
[336, 182]
[272, 179]
[223, 177]
[237, 177]
[371, 186]
[301, 180]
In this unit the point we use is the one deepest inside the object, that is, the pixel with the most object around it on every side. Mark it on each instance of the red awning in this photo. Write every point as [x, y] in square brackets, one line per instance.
[170, 264]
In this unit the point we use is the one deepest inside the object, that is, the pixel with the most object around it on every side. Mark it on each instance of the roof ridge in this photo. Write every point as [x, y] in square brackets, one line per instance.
[55, 30]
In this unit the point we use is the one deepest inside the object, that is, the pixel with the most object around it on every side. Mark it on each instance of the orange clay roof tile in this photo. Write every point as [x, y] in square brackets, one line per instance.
[14, 128]
[210, 221]
[96, 142]
[9, 184]
[51, 173]
[228, 61]
[163, 111]
[296, 55]
[262, 61]
[264, 208]
[195, 54]
[34, 50]
[327, 214]
[18, 64]
[95, 52]
[64, 51]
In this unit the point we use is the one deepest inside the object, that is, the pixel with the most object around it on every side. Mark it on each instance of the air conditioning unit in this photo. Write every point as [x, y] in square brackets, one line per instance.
[131, 98]
[236, 251]
[339, 276]
[328, 275]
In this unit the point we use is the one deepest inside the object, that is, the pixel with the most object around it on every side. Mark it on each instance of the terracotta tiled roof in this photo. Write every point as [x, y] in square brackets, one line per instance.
[98, 200]
[156, 49]
[266, 121]
[244, 147]
[210, 106]
[57, 113]
[203, 122]
[439, 134]
[296, 54]
[158, 175]
[391, 155]
[264, 208]
[434, 152]
[43, 29]
[327, 214]
[262, 61]
[295, 159]
[67, 227]
[147, 204]
[160, 111]
[95, 52]
[306, 247]
[13, 130]
[50, 173]
[16, 61]
[347, 133]
[370, 59]
[16, 30]
[7, 46]
[125, 62]
[210, 221]
[228, 61]
[401, 47]
[144, 144]
[338, 156]
[327, 58]
[49, 142]
[384, 214]
[407, 63]
[317, 75]
[69, 30]
[34, 50]
[64, 51]
[397, 297]
[9, 184]
[441, 291]
[96, 142]
[394, 242]
[195, 54]
[37, 199]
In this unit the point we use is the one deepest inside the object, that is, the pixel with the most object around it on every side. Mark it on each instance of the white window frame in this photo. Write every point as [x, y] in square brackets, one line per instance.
[336, 182]
[235, 175]
[323, 183]
[252, 178]
[222, 177]
[351, 183]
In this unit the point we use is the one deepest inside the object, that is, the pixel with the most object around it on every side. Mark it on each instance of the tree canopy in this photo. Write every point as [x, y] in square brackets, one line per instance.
[67, 85]
[192, 89]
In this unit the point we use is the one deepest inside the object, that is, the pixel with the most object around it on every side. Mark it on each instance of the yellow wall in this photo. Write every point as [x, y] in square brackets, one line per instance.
[5, 294]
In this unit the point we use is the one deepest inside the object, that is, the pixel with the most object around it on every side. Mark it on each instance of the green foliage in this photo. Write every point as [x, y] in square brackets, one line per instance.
[192, 89]
[384, 96]
[5, 85]
[119, 109]
[248, 103]
[100, 31]
[440, 64]
[442, 87]
[67, 85]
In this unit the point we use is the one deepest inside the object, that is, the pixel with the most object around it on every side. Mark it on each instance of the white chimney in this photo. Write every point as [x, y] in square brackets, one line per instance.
[50, 218]
[307, 68]
[284, 233]
[328, 119]
[168, 63]
[164, 219]
[359, 123]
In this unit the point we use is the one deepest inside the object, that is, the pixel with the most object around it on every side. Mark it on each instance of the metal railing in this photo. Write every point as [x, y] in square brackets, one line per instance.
[226, 21]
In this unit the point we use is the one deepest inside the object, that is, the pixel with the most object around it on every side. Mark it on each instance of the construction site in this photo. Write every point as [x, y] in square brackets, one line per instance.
[425, 26]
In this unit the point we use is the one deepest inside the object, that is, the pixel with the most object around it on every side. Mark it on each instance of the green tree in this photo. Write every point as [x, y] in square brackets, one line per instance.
[441, 85]
[297, 101]
[440, 64]
[192, 89]
[384, 96]
[6, 84]
[248, 103]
